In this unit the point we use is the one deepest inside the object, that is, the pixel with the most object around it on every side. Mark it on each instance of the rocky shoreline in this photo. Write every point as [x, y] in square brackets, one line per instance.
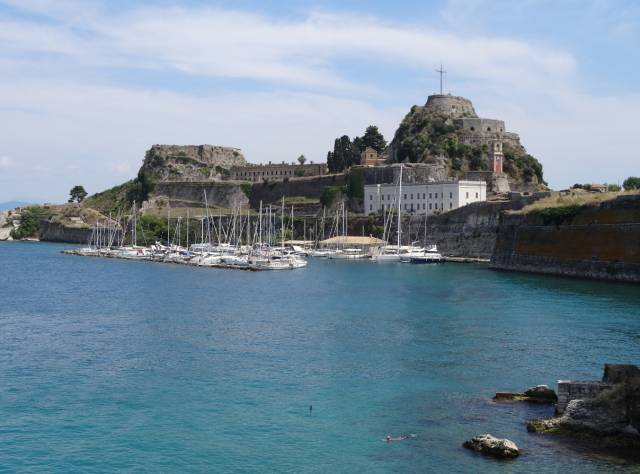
[613, 414]
[605, 411]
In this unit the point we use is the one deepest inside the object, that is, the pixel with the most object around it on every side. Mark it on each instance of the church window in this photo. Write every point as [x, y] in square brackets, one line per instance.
[450, 205]
[467, 195]
[476, 195]
[430, 206]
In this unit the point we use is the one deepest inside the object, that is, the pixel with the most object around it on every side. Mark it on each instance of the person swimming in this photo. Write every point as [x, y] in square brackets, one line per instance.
[390, 438]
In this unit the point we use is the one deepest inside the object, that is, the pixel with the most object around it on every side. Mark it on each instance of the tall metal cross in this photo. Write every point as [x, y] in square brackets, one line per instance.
[441, 71]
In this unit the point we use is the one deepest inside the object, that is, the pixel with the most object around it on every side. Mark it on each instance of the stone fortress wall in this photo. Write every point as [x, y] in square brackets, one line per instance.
[599, 242]
[451, 105]
[276, 171]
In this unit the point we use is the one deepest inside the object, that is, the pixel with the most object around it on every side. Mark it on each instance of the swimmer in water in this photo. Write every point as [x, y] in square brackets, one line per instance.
[390, 438]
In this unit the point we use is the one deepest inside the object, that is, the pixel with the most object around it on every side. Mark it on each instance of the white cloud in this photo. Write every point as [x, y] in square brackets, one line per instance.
[218, 42]
[69, 114]
[5, 163]
[108, 129]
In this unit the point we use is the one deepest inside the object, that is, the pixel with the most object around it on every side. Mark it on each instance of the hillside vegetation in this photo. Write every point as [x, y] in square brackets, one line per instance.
[427, 136]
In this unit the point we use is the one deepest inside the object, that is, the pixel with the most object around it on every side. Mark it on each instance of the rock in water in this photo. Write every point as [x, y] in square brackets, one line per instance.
[488, 444]
[542, 394]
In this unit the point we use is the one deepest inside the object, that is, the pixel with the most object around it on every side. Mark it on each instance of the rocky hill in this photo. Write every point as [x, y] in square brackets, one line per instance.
[190, 162]
[447, 132]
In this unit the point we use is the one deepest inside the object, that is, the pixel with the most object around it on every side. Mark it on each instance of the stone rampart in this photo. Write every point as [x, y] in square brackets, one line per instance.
[411, 173]
[304, 187]
[192, 194]
[57, 232]
[599, 242]
[450, 105]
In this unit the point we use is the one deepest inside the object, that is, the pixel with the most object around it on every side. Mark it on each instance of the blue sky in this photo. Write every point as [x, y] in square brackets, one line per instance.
[87, 86]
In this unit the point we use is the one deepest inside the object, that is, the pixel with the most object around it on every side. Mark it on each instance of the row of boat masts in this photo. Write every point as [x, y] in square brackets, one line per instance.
[231, 241]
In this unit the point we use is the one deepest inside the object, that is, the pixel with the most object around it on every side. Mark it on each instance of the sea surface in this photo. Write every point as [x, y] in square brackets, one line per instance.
[110, 365]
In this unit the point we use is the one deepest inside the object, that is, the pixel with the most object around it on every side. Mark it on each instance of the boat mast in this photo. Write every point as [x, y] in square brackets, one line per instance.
[135, 229]
[260, 226]
[399, 209]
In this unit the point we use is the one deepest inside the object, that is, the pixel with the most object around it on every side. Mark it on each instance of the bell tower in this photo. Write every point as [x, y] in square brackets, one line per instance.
[496, 157]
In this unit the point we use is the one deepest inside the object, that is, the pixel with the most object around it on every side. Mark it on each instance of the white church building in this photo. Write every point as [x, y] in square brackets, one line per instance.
[431, 198]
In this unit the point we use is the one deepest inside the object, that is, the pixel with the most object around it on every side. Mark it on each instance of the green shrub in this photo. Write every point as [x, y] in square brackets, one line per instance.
[559, 215]
[328, 195]
[30, 222]
[246, 189]
[632, 182]
[355, 184]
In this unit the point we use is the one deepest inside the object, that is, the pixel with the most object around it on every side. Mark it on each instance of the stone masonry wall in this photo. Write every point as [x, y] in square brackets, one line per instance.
[192, 194]
[571, 390]
[56, 232]
[600, 242]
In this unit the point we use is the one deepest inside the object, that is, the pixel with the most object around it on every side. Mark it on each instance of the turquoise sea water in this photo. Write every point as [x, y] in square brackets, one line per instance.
[110, 365]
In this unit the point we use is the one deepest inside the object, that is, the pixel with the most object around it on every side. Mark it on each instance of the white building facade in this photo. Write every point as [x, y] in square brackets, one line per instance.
[431, 198]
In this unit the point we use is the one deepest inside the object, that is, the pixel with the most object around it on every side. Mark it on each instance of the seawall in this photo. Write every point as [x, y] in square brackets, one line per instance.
[56, 232]
[599, 242]
[470, 231]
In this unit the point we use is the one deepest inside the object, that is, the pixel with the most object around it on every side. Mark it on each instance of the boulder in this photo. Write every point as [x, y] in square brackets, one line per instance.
[542, 425]
[541, 394]
[492, 446]
[509, 396]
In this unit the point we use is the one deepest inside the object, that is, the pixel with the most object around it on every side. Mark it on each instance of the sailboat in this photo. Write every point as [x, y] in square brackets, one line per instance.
[389, 253]
[427, 254]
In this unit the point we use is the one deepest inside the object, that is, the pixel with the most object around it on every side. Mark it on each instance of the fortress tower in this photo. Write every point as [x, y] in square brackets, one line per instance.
[496, 157]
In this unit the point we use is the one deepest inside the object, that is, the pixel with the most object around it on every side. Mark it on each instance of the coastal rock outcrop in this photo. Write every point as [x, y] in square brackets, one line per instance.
[492, 446]
[537, 394]
[614, 410]
[541, 394]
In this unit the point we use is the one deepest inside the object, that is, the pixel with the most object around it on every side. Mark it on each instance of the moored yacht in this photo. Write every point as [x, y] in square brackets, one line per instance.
[428, 255]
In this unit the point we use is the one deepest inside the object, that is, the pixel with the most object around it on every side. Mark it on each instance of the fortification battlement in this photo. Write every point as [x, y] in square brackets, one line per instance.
[451, 105]
[484, 125]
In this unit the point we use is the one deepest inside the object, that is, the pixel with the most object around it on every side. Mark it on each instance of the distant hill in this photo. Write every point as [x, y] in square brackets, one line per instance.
[4, 206]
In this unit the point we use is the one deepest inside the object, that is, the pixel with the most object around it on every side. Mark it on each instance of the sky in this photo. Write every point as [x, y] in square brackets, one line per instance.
[86, 87]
